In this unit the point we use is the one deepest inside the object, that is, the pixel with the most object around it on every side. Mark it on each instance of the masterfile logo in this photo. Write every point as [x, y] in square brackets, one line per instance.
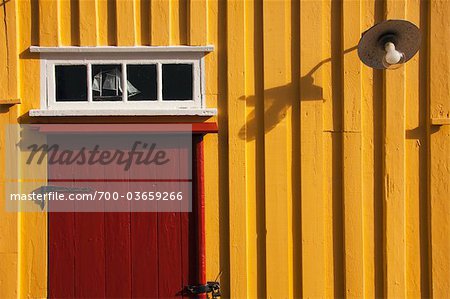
[99, 168]
[140, 153]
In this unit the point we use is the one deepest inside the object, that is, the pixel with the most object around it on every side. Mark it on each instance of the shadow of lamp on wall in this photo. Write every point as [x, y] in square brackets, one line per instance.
[275, 104]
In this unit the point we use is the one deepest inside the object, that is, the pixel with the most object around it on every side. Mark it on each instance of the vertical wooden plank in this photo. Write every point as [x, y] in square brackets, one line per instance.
[9, 58]
[169, 254]
[329, 157]
[66, 22]
[104, 21]
[277, 124]
[311, 152]
[117, 254]
[10, 253]
[117, 238]
[89, 253]
[439, 160]
[237, 166]
[416, 148]
[61, 238]
[249, 132]
[212, 242]
[89, 238]
[9, 89]
[144, 241]
[143, 26]
[144, 244]
[211, 60]
[49, 23]
[215, 183]
[88, 15]
[331, 72]
[198, 22]
[160, 22]
[352, 154]
[126, 23]
[31, 227]
[140, 20]
[394, 172]
[372, 120]
[8, 280]
[144, 255]
[179, 21]
[188, 249]
[107, 23]
[223, 229]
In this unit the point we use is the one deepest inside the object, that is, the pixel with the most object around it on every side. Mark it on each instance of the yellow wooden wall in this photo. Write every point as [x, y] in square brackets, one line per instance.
[327, 178]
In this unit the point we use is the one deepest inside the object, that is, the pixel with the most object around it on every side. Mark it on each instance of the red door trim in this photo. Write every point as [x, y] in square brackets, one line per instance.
[200, 189]
[196, 128]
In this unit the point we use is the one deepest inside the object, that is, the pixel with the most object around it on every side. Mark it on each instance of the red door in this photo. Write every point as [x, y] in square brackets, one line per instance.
[124, 254]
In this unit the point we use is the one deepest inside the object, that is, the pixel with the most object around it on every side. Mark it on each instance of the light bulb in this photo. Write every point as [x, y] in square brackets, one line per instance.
[393, 58]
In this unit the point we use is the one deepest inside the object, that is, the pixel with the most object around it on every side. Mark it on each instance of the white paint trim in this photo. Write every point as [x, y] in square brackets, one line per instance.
[124, 82]
[202, 82]
[89, 83]
[124, 112]
[159, 82]
[43, 83]
[52, 56]
[112, 49]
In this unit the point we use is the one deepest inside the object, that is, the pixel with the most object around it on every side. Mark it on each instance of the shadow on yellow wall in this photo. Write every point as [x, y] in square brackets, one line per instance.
[275, 98]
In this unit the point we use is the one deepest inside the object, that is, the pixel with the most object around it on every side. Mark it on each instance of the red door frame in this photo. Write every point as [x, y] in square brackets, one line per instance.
[200, 206]
[198, 132]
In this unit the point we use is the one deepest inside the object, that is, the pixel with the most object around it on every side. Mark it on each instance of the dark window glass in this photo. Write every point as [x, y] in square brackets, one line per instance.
[177, 81]
[71, 83]
[141, 82]
[107, 82]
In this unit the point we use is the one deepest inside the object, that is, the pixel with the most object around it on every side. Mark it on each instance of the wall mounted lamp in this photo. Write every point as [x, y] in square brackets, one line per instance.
[389, 44]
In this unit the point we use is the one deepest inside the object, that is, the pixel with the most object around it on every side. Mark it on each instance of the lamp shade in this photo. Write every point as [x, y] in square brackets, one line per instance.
[403, 34]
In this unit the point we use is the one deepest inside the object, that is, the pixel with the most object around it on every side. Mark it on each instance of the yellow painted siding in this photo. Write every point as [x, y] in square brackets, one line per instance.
[326, 179]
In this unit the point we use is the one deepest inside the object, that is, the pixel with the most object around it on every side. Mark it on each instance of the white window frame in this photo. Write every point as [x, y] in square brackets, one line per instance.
[53, 56]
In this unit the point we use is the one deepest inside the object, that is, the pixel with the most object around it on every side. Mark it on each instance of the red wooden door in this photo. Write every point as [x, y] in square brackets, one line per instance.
[124, 254]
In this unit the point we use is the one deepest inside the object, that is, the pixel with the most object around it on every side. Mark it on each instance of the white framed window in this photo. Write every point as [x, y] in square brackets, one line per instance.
[122, 81]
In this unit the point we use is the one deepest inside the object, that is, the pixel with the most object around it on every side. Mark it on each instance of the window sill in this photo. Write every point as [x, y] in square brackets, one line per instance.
[113, 112]
[132, 49]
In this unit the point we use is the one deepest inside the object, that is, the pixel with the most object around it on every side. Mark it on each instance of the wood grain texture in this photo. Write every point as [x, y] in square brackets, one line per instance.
[345, 195]
[353, 199]
[49, 23]
[89, 239]
[439, 159]
[277, 127]
[198, 22]
[311, 151]
[237, 169]
[89, 23]
[61, 249]
[126, 23]
[394, 173]
[160, 26]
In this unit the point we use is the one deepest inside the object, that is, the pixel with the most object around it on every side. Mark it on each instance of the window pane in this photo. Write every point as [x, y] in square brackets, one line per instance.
[106, 82]
[141, 82]
[71, 83]
[177, 81]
